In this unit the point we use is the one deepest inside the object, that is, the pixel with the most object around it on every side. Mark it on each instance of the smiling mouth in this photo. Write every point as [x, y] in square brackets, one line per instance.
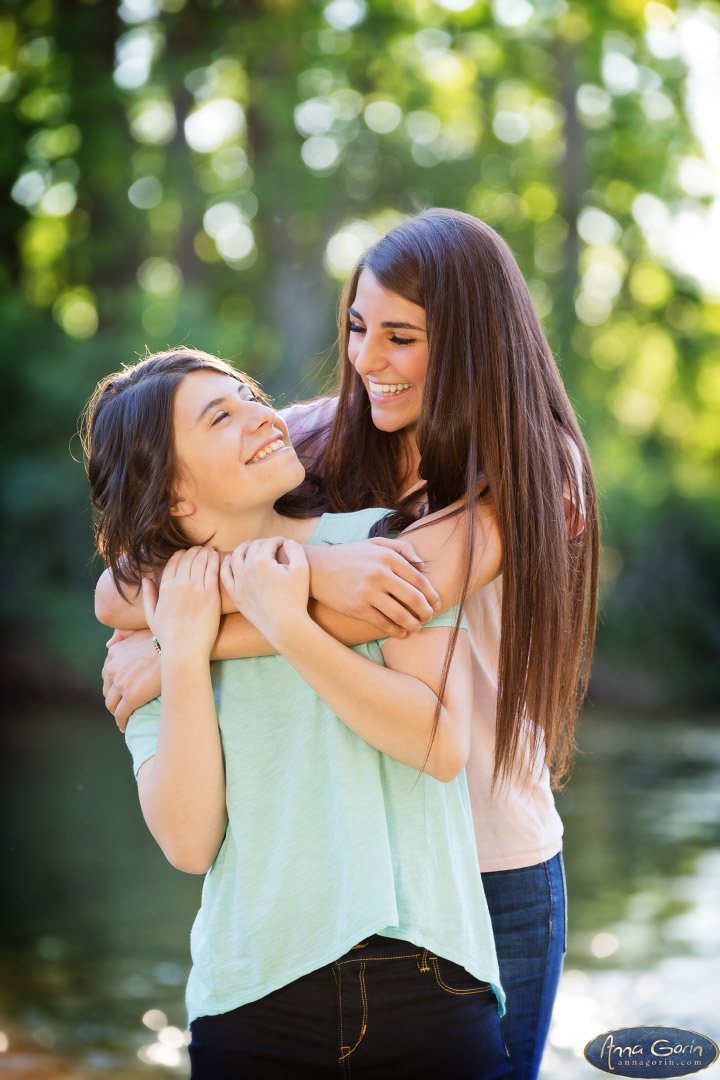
[270, 448]
[388, 390]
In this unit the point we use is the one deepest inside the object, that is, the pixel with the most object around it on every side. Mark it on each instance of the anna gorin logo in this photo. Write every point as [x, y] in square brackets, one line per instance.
[651, 1052]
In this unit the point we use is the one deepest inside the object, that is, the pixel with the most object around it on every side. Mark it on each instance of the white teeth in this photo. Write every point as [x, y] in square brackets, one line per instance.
[389, 388]
[267, 450]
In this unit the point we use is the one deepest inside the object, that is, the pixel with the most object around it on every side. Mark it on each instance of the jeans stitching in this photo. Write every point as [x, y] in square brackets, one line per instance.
[369, 959]
[548, 881]
[363, 1022]
[450, 989]
[563, 884]
[338, 983]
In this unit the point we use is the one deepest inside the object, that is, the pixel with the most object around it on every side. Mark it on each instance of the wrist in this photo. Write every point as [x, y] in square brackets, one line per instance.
[313, 554]
[190, 655]
[288, 630]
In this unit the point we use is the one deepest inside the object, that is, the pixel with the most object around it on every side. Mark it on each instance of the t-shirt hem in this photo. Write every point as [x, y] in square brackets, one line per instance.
[235, 1001]
[519, 862]
[426, 941]
[137, 766]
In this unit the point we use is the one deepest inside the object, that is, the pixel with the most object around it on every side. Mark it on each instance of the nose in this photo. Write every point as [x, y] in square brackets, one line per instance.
[261, 414]
[368, 357]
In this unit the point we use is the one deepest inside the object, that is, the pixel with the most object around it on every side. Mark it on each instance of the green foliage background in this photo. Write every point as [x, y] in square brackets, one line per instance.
[203, 171]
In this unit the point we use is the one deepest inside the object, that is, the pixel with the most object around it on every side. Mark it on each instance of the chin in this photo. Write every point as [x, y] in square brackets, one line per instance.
[390, 423]
[289, 476]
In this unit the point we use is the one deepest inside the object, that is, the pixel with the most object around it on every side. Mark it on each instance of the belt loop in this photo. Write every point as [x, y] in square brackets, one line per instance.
[423, 961]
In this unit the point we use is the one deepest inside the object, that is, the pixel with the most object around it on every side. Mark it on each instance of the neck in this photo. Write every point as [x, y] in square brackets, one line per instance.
[410, 478]
[224, 533]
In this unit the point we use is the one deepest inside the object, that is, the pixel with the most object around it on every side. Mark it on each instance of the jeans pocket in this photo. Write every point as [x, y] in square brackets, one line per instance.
[453, 979]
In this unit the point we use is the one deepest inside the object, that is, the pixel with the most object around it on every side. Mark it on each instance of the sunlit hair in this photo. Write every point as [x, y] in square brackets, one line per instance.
[496, 424]
[128, 439]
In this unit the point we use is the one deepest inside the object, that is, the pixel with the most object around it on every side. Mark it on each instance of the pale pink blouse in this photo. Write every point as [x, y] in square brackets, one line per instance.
[517, 825]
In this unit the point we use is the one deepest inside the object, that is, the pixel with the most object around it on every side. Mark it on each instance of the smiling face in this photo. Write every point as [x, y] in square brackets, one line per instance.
[234, 456]
[387, 346]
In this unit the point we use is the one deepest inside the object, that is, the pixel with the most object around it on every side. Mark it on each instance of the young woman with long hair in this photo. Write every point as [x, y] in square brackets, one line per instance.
[343, 928]
[448, 396]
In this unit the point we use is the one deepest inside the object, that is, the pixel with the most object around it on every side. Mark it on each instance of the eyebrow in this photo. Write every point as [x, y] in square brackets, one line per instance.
[388, 325]
[218, 401]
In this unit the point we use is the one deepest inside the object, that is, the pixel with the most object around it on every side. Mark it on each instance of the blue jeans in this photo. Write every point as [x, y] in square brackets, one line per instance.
[386, 1010]
[528, 912]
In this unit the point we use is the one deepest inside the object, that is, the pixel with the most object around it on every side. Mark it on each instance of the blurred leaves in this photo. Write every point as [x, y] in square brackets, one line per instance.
[205, 171]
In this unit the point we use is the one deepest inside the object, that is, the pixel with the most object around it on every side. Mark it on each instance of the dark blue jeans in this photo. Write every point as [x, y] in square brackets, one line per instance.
[386, 1010]
[527, 908]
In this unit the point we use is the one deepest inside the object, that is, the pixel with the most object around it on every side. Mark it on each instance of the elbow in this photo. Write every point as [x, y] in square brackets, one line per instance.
[105, 594]
[448, 757]
[103, 610]
[449, 768]
[188, 860]
[188, 856]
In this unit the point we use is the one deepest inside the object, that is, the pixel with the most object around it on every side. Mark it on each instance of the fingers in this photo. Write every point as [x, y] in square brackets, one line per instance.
[294, 553]
[123, 712]
[227, 576]
[386, 627]
[273, 544]
[254, 552]
[409, 597]
[198, 565]
[112, 699]
[407, 572]
[171, 565]
[118, 635]
[403, 561]
[403, 547]
[396, 613]
[264, 551]
[212, 569]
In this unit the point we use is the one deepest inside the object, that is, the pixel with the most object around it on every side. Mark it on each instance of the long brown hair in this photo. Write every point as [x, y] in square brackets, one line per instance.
[495, 424]
[128, 440]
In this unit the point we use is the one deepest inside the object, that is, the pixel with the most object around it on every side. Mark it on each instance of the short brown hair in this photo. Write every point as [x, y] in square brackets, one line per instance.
[127, 437]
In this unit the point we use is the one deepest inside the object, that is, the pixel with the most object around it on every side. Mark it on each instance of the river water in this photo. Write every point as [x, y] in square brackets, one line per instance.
[94, 924]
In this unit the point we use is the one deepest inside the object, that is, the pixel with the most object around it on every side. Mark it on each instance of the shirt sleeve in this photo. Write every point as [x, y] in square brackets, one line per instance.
[305, 418]
[141, 734]
[445, 618]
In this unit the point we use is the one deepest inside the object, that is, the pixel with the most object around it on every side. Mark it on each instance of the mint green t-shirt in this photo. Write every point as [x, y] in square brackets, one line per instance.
[328, 840]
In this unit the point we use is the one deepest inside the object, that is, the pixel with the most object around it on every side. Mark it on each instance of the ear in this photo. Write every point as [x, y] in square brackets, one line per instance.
[181, 507]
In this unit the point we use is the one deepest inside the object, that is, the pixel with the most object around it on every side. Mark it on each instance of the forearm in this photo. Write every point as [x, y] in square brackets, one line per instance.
[344, 628]
[183, 790]
[389, 709]
[238, 637]
[127, 612]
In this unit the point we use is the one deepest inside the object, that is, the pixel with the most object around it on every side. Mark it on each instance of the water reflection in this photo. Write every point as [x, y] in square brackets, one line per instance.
[643, 859]
[94, 924]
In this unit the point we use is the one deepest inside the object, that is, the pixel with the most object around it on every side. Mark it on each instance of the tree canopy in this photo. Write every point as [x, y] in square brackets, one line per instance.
[207, 171]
